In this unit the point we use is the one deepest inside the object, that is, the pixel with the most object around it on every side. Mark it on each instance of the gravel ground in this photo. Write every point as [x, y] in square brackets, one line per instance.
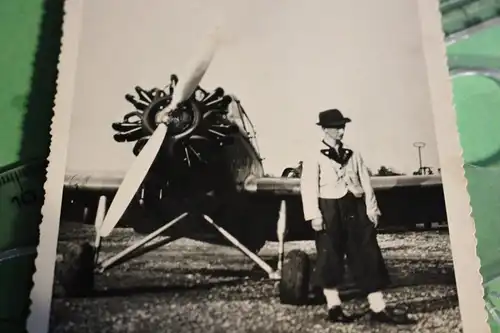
[189, 286]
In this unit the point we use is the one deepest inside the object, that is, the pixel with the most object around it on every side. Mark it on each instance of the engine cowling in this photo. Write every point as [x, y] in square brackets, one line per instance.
[198, 122]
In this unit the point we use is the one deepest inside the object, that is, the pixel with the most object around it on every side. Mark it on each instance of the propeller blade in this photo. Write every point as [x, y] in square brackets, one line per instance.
[185, 88]
[133, 179]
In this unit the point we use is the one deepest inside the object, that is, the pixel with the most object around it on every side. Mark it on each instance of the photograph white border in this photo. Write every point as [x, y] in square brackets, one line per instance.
[41, 293]
[461, 224]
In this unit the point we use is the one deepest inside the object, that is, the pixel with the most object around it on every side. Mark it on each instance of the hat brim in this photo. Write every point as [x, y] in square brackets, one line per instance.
[334, 123]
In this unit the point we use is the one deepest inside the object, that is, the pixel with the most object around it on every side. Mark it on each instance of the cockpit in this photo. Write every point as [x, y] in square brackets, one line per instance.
[237, 114]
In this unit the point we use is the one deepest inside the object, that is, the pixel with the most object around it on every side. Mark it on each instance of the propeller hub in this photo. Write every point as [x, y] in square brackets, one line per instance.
[198, 122]
[181, 121]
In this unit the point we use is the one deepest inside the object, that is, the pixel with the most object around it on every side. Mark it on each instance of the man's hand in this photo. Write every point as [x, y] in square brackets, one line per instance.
[317, 224]
[373, 217]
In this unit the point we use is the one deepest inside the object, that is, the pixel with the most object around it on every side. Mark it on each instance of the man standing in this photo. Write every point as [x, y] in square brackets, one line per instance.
[340, 203]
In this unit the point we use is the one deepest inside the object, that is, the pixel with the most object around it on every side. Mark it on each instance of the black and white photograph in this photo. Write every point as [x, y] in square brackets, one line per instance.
[251, 166]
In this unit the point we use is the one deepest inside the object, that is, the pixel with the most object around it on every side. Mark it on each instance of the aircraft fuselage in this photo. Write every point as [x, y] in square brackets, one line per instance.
[173, 187]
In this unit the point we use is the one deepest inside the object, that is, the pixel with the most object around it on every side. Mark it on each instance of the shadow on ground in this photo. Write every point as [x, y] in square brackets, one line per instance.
[403, 272]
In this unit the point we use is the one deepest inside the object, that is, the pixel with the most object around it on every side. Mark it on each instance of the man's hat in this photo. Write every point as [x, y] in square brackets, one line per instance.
[332, 118]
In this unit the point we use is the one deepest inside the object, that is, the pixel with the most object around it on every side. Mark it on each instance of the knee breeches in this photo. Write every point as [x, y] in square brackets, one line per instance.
[348, 237]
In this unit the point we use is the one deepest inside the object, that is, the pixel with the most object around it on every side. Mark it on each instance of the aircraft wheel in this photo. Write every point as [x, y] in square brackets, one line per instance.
[75, 271]
[294, 283]
[288, 173]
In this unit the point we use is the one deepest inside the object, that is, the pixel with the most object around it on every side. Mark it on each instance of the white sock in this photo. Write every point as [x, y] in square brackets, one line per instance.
[332, 297]
[376, 301]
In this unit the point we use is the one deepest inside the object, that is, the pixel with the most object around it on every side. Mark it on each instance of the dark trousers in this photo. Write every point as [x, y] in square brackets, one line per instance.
[348, 233]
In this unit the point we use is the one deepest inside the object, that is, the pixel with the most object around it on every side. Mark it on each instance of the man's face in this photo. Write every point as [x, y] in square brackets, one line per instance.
[335, 133]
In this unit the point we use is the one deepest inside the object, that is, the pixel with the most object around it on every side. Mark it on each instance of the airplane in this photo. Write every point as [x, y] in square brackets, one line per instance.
[198, 174]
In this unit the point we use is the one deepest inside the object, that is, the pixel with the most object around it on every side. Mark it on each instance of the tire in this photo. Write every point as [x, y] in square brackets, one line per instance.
[75, 271]
[294, 283]
[289, 173]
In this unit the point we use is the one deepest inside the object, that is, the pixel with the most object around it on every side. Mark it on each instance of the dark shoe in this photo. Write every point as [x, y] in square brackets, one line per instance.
[391, 317]
[336, 315]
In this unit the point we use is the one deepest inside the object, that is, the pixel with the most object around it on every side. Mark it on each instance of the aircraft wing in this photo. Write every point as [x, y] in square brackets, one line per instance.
[76, 182]
[273, 185]
[404, 201]
[81, 195]
[291, 186]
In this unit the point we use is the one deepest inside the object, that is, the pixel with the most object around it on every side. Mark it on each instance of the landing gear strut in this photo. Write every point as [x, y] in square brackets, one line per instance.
[80, 262]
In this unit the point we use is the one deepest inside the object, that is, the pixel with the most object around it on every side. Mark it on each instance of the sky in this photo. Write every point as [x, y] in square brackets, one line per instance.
[285, 60]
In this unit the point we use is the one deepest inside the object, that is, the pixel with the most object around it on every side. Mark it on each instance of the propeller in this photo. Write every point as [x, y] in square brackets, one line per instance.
[140, 167]
[184, 90]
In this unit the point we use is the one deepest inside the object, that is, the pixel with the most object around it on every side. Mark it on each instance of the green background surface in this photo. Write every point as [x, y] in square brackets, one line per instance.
[29, 38]
[28, 63]
[477, 104]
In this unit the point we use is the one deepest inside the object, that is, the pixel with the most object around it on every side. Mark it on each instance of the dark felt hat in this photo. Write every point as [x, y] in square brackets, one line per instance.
[332, 118]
